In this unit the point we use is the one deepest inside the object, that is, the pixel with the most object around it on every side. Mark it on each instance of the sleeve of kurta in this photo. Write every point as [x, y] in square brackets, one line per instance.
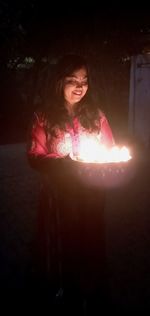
[38, 155]
[106, 132]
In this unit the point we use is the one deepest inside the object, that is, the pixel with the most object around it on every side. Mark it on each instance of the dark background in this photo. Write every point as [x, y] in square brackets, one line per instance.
[34, 34]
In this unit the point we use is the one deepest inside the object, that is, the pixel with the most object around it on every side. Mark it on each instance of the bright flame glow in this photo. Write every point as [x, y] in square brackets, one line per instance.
[90, 151]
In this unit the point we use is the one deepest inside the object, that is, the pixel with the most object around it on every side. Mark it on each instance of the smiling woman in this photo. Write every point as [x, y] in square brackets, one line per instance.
[71, 225]
[75, 88]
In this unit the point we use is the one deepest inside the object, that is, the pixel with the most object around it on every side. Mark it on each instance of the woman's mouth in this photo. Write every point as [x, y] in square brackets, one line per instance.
[78, 93]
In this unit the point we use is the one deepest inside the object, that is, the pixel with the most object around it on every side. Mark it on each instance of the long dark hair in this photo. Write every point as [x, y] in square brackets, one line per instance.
[87, 110]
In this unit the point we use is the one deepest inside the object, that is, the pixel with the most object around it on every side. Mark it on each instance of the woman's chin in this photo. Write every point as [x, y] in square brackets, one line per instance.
[77, 98]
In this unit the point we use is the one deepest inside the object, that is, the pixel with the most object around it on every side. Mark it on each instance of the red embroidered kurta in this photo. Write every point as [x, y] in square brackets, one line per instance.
[43, 146]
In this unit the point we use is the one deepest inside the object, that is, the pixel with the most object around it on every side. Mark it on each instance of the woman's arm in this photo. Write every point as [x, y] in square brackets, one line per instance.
[38, 155]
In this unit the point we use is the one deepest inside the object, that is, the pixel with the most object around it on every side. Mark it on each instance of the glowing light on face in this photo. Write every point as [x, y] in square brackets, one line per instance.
[75, 86]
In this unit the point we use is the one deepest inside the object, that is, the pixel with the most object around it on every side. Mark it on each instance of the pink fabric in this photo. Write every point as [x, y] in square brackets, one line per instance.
[46, 145]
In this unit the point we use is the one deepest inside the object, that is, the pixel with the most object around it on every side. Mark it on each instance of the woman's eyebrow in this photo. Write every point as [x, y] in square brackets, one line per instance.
[75, 77]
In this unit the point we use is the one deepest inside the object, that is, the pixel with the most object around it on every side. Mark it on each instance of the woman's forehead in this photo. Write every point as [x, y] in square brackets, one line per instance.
[79, 73]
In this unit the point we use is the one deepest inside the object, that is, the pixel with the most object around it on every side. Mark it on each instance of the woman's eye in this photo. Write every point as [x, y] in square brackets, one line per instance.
[72, 82]
[76, 83]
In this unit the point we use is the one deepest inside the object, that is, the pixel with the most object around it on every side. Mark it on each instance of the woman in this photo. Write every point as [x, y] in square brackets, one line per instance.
[71, 226]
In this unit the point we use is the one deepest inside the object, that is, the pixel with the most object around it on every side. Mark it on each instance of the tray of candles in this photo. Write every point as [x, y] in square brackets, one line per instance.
[110, 169]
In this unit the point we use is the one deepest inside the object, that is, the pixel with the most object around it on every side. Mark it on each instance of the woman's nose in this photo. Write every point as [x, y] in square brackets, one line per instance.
[79, 84]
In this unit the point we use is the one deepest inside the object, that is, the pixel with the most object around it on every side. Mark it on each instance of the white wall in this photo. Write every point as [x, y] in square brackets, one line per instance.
[139, 101]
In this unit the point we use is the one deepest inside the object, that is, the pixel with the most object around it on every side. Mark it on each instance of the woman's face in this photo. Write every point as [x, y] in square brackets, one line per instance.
[75, 86]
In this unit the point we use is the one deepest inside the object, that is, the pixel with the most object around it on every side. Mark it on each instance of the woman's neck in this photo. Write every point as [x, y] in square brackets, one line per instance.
[71, 109]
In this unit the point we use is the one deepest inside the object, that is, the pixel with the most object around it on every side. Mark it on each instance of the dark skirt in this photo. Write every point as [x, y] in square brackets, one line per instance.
[71, 237]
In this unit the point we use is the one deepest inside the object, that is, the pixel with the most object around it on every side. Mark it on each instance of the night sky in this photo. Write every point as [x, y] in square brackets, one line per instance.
[40, 22]
[106, 36]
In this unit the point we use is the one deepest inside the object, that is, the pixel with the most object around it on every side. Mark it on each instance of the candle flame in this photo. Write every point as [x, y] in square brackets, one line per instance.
[90, 151]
